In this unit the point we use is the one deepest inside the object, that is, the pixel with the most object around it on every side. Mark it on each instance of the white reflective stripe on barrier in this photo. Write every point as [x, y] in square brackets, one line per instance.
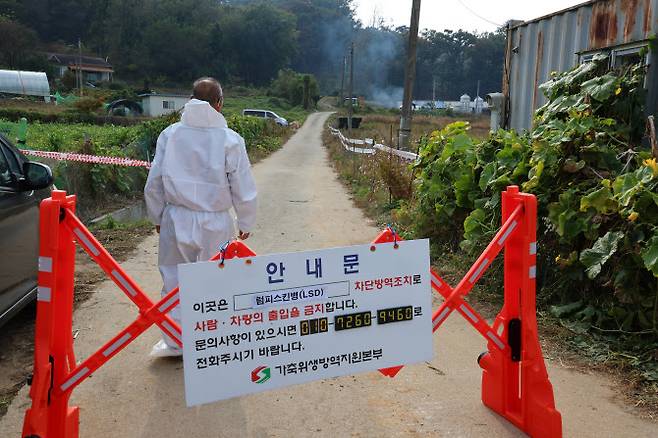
[118, 343]
[533, 248]
[86, 242]
[478, 270]
[45, 264]
[491, 335]
[436, 281]
[504, 237]
[43, 293]
[442, 316]
[173, 331]
[468, 313]
[117, 275]
[79, 375]
[167, 303]
[532, 271]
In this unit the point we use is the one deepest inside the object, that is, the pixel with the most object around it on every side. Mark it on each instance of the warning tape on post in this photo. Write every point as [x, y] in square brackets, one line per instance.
[89, 159]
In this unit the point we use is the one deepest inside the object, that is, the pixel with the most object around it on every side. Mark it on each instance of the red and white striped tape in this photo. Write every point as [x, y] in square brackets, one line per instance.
[84, 158]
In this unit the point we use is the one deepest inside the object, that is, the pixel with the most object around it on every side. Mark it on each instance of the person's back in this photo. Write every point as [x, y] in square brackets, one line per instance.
[201, 170]
[200, 152]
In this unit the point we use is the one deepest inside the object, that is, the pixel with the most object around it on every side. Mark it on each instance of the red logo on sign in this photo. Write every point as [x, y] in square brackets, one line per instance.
[260, 374]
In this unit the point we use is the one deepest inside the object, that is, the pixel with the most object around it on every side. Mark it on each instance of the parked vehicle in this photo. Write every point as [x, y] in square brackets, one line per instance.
[23, 184]
[265, 114]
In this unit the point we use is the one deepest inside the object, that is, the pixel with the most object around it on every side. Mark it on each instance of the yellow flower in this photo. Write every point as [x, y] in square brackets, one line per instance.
[633, 216]
[653, 165]
[557, 259]
[618, 91]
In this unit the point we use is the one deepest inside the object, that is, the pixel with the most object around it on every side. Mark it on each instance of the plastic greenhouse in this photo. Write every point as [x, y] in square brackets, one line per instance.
[25, 83]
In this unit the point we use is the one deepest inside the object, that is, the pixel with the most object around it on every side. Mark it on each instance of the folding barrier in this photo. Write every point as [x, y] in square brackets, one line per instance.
[55, 372]
[514, 381]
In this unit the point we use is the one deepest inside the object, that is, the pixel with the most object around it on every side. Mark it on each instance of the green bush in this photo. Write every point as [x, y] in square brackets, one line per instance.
[298, 89]
[15, 114]
[597, 191]
[87, 105]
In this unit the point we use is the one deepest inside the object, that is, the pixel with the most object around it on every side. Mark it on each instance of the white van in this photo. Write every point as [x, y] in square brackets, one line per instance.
[265, 114]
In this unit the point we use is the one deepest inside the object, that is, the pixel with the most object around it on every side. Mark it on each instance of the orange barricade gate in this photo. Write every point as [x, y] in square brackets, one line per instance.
[55, 373]
[515, 383]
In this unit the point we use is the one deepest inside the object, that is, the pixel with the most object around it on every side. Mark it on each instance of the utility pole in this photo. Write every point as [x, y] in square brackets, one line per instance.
[80, 66]
[350, 91]
[477, 98]
[409, 75]
[342, 82]
[433, 91]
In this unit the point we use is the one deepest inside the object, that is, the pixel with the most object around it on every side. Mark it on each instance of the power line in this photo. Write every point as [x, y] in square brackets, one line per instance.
[478, 15]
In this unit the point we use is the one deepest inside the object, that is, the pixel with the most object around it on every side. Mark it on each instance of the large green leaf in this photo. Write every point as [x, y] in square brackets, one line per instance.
[650, 255]
[488, 173]
[600, 88]
[474, 220]
[601, 200]
[625, 188]
[462, 142]
[595, 257]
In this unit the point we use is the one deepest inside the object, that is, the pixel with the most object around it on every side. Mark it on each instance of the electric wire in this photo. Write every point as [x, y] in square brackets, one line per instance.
[477, 15]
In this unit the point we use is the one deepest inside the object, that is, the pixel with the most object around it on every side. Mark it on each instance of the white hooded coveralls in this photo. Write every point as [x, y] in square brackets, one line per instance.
[200, 170]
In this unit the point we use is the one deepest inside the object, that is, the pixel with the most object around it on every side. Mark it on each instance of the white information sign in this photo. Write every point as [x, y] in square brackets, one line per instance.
[275, 320]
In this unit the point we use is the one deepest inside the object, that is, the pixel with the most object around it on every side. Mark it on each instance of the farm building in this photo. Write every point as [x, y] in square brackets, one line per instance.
[157, 104]
[24, 83]
[93, 69]
[622, 29]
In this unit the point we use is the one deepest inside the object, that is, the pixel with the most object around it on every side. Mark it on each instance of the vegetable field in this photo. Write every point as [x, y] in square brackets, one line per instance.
[95, 182]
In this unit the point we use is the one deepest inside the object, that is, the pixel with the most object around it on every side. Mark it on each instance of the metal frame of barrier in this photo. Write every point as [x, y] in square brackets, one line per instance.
[515, 383]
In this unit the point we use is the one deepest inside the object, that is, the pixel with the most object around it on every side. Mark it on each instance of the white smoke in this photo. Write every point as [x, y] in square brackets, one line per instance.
[387, 97]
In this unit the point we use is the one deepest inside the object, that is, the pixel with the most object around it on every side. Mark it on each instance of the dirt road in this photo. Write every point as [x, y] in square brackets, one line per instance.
[303, 206]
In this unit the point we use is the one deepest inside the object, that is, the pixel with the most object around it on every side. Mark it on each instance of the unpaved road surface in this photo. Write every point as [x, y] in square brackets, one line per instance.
[303, 206]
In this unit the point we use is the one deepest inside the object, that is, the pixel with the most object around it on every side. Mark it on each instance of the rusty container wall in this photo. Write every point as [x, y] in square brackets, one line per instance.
[554, 43]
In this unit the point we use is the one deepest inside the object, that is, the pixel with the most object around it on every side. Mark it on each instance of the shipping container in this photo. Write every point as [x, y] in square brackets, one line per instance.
[560, 41]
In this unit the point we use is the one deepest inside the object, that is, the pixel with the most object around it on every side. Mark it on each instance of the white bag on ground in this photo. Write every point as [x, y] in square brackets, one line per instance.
[161, 349]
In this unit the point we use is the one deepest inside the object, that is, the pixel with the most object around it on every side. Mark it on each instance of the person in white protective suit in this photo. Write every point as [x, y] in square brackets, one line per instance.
[200, 170]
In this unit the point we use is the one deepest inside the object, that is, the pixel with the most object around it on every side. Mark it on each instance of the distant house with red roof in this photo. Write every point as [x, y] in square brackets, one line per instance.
[94, 69]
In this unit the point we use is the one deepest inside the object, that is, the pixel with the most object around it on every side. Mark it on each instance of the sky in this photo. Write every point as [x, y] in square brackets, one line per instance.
[483, 16]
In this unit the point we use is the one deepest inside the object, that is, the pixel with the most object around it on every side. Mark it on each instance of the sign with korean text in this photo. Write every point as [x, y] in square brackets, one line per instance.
[270, 321]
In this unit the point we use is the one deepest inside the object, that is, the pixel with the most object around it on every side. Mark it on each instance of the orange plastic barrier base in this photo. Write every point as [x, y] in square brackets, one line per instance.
[516, 386]
[515, 383]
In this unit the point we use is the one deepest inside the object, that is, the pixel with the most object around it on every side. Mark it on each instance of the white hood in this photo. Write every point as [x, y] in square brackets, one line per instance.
[199, 114]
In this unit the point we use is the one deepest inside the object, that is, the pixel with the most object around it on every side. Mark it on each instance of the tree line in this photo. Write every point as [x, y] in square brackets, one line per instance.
[248, 42]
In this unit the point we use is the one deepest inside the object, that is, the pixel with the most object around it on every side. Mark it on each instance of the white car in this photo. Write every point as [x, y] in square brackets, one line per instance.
[265, 114]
